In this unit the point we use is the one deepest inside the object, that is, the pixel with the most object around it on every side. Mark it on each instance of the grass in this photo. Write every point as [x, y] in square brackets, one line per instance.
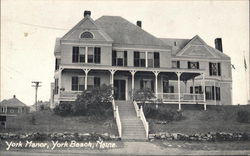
[215, 119]
[46, 121]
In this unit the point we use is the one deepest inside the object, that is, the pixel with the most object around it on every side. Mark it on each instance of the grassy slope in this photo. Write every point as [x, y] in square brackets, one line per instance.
[47, 121]
[215, 119]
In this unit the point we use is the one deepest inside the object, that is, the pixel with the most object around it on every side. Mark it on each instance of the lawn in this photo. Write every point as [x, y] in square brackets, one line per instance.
[215, 119]
[46, 121]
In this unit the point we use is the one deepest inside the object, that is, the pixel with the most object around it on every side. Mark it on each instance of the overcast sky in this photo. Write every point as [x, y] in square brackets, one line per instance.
[29, 29]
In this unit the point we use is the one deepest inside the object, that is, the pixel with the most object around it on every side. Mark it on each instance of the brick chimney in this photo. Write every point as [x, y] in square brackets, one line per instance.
[87, 13]
[138, 23]
[14, 96]
[218, 44]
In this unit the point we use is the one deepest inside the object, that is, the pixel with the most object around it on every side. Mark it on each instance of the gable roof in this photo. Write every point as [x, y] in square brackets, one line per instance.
[125, 32]
[13, 102]
[184, 44]
[87, 23]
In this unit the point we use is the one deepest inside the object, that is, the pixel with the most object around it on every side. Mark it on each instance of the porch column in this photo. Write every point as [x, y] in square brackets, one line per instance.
[179, 89]
[86, 54]
[146, 58]
[193, 90]
[59, 81]
[6, 109]
[215, 94]
[112, 79]
[204, 91]
[86, 78]
[133, 80]
[156, 83]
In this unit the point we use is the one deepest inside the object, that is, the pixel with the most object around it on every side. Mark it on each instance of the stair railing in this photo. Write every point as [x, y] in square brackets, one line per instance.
[136, 109]
[118, 121]
[141, 115]
[113, 106]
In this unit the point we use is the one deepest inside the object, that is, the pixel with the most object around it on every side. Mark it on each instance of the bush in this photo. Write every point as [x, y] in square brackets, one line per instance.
[163, 113]
[243, 116]
[95, 101]
[63, 109]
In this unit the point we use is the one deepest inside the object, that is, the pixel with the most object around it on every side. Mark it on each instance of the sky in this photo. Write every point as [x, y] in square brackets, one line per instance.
[29, 29]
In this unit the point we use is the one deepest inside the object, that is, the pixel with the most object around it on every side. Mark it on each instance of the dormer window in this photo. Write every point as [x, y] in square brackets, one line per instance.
[87, 35]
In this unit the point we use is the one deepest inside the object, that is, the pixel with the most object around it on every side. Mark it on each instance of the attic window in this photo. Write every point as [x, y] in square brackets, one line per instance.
[175, 43]
[87, 34]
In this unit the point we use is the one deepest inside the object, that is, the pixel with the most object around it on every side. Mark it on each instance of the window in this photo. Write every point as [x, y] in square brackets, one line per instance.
[147, 83]
[197, 90]
[175, 64]
[87, 35]
[2, 109]
[58, 62]
[119, 58]
[139, 59]
[167, 88]
[193, 65]
[211, 92]
[153, 59]
[78, 82]
[75, 54]
[94, 55]
[214, 69]
[56, 88]
[82, 54]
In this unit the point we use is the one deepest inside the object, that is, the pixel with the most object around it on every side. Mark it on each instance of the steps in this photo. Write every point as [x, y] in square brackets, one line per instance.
[132, 126]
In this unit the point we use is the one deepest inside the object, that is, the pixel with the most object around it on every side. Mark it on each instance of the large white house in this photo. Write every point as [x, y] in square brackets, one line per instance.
[112, 50]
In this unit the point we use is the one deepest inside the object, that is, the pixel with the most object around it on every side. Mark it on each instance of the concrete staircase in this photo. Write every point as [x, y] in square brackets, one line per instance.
[132, 126]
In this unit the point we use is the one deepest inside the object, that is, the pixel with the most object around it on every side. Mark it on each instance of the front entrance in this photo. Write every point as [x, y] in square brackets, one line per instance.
[120, 89]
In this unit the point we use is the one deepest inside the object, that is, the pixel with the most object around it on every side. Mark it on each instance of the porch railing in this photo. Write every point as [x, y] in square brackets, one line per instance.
[184, 97]
[137, 110]
[69, 95]
[144, 121]
[117, 117]
[118, 121]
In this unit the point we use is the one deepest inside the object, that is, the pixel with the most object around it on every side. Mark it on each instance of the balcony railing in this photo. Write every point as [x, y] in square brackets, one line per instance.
[69, 95]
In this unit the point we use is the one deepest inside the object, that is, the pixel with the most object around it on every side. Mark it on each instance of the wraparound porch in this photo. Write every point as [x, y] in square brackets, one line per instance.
[162, 79]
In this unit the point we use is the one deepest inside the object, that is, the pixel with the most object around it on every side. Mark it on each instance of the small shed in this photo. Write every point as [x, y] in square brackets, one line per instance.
[13, 106]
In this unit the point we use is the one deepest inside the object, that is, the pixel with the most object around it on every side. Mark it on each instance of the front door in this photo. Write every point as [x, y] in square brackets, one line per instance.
[120, 89]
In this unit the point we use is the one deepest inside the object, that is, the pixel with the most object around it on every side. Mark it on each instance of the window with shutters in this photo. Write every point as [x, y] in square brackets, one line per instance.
[167, 88]
[78, 83]
[213, 93]
[197, 90]
[214, 69]
[153, 59]
[193, 65]
[139, 59]
[119, 58]
[175, 64]
[79, 53]
[147, 83]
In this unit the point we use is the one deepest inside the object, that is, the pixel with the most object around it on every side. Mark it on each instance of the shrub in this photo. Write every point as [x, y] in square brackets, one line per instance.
[33, 119]
[243, 116]
[63, 109]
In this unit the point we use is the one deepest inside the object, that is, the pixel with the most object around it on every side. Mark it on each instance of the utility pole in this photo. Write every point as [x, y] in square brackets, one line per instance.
[36, 85]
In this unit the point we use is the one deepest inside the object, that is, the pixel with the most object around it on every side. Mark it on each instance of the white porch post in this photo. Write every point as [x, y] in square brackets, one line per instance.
[133, 81]
[156, 83]
[146, 58]
[86, 54]
[214, 94]
[179, 89]
[59, 82]
[193, 90]
[112, 79]
[86, 78]
[204, 91]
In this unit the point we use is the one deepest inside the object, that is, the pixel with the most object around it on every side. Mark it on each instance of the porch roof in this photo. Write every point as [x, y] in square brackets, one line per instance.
[186, 73]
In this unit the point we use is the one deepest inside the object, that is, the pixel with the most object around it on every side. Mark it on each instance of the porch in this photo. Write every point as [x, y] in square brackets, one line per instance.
[170, 86]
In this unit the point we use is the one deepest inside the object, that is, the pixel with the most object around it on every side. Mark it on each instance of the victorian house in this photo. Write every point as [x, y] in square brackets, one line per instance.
[112, 50]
